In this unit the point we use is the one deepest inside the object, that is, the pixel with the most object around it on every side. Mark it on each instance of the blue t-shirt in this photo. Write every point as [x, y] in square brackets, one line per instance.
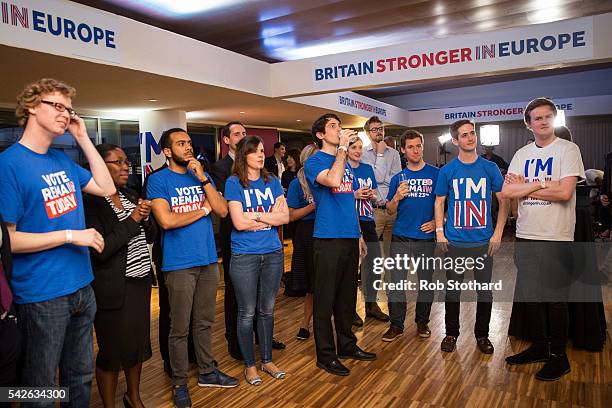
[42, 193]
[257, 197]
[296, 199]
[364, 177]
[417, 207]
[335, 216]
[194, 244]
[469, 188]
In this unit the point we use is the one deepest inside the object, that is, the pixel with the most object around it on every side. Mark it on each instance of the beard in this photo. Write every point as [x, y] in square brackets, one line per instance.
[179, 161]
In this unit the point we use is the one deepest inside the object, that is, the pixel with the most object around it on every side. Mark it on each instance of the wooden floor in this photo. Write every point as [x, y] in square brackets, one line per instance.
[410, 372]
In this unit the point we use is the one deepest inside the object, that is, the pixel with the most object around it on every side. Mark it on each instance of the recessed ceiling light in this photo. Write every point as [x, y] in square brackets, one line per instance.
[152, 100]
[299, 120]
[242, 112]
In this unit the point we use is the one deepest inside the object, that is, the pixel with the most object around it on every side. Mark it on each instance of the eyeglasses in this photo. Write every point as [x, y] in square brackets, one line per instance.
[60, 107]
[377, 129]
[120, 162]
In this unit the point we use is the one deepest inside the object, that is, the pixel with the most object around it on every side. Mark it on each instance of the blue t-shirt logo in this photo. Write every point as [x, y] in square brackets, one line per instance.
[59, 196]
[188, 199]
[470, 203]
[419, 188]
[347, 183]
[254, 195]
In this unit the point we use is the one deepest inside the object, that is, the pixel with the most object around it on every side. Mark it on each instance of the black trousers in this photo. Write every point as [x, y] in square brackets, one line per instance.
[10, 354]
[484, 297]
[229, 298]
[544, 266]
[336, 262]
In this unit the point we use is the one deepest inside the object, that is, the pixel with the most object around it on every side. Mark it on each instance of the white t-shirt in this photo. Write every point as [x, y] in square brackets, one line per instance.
[540, 219]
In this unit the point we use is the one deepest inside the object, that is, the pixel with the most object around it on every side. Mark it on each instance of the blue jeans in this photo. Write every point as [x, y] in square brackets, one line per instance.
[58, 332]
[256, 280]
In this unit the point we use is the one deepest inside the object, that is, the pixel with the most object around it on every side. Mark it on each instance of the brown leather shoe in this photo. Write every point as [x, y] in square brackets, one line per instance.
[449, 343]
[423, 330]
[392, 334]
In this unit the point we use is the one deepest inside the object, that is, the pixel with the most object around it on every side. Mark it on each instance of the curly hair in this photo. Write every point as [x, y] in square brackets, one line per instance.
[31, 96]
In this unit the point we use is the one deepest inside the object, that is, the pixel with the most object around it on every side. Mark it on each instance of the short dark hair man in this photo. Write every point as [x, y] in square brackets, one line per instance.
[336, 245]
[543, 176]
[469, 182]
[182, 198]
[40, 197]
[275, 164]
[498, 160]
[231, 134]
[411, 196]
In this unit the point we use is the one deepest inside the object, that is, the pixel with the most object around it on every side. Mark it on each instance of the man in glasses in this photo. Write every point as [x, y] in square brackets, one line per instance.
[40, 197]
[386, 163]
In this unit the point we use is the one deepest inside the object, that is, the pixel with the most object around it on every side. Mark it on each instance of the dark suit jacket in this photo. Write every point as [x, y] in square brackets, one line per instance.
[109, 266]
[220, 171]
[606, 187]
[271, 164]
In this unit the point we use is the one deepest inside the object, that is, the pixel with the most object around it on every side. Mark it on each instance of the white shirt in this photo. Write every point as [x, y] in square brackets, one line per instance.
[541, 219]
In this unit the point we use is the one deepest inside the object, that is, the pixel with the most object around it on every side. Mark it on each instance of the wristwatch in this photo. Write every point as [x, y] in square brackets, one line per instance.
[205, 182]
[542, 183]
[258, 217]
[343, 148]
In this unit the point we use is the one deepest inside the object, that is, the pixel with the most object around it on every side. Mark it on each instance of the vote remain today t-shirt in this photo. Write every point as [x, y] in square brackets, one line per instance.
[194, 244]
[42, 193]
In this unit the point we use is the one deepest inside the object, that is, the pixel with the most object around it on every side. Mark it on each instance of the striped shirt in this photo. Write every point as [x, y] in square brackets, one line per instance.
[138, 258]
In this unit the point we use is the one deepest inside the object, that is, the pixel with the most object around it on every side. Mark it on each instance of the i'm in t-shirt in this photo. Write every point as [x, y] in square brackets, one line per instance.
[194, 244]
[417, 207]
[335, 216]
[42, 193]
[469, 188]
[541, 219]
[364, 177]
[258, 196]
[296, 199]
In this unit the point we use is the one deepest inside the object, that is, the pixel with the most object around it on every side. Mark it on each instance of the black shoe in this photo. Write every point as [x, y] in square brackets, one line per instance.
[277, 344]
[357, 321]
[373, 310]
[359, 354]
[303, 334]
[168, 369]
[556, 367]
[534, 354]
[449, 343]
[235, 352]
[484, 344]
[334, 367]
[126, 401]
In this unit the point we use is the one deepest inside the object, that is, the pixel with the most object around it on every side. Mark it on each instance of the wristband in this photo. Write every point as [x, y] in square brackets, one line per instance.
[69, 236]
[206, 211]
[438, 229]
[343, 148]
[205, 182]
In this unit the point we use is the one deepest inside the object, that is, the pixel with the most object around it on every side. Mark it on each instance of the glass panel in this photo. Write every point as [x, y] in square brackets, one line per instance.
[10, 133]
[124, 133]
[204, 143]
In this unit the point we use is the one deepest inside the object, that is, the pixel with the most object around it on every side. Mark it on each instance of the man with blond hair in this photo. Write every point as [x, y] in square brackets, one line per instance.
[40, 197]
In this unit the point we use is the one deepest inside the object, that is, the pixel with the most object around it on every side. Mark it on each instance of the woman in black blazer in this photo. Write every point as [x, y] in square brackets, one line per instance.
[122, 282]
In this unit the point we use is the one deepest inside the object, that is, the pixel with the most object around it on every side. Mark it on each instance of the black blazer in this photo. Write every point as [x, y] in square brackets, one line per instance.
[109, 266]
[220, 172]
[606, 187]
[271, 164]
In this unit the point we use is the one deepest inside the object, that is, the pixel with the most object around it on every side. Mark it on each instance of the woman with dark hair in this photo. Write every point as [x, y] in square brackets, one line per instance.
[257, 206]
[122, 282]
[293, 166]
[302, 212]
